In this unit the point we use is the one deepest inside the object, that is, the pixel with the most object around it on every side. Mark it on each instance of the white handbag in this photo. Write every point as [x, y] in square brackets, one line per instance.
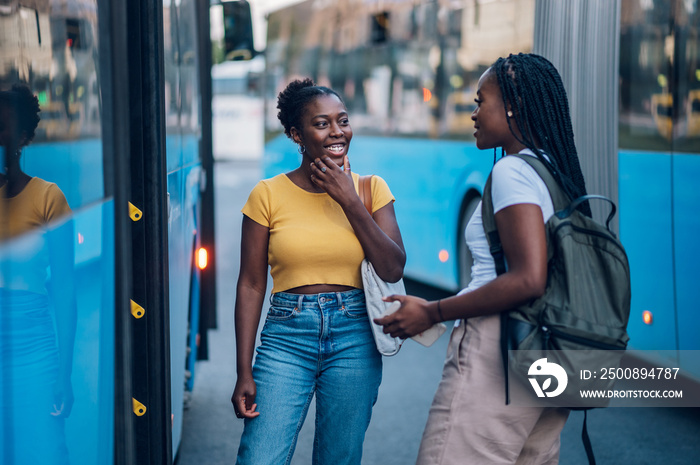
[375, 289]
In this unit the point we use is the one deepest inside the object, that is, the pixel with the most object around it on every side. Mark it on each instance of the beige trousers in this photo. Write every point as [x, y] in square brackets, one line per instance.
[469, 422]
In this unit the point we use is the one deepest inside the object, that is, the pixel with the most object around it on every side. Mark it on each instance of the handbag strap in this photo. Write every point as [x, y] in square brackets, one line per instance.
[364, 188]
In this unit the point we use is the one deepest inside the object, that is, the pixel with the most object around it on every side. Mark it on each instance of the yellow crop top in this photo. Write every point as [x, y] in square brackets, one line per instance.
[25, 261]
[311, 240]
[39, 203]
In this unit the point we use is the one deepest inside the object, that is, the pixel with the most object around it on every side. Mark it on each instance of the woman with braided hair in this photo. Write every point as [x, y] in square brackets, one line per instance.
[523, 109]
[312, 229]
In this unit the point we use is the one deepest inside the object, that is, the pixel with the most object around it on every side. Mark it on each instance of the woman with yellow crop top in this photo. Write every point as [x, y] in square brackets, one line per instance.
[37, 327]
[311, 228]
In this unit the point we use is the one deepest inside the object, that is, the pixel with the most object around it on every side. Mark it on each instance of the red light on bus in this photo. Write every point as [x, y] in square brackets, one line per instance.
[427, 95]
[648, 317]
[201, 258]
[444, 255]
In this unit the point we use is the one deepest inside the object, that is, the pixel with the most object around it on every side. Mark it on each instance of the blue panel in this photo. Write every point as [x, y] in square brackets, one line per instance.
[686, 208]
[190, 149]
[183, 189]
[193, 342]
[93, 369]
[646, 233]
[429, 186]
[173, 150]
[179, 297]
[105, 439]
[59, 340]
[76, 166]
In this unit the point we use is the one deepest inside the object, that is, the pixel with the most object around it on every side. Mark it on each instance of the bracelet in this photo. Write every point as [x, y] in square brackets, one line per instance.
[442, 318]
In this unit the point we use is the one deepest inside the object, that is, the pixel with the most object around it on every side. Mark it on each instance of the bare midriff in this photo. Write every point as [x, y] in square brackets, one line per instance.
[319, 289]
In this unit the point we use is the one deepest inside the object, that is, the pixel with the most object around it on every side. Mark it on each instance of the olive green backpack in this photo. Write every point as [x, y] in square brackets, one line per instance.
[586, 303]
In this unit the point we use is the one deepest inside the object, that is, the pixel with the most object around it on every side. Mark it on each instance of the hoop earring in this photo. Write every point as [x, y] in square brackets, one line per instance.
[301, 149]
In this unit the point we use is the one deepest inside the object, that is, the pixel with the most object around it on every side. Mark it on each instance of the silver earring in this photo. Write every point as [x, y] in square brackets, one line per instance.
[301, 149]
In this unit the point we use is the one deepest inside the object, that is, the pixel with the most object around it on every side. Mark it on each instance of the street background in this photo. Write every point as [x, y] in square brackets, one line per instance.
[211, 433]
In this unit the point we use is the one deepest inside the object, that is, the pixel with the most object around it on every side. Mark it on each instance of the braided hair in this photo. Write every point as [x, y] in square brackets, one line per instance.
[25, 106]
[533, 90]
[292, 102]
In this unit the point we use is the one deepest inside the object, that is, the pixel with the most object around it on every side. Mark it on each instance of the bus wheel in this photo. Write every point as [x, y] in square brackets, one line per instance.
[464, 255]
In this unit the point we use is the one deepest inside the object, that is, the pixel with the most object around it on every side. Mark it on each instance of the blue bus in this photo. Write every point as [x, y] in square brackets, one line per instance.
[408, 73]
[104, 311]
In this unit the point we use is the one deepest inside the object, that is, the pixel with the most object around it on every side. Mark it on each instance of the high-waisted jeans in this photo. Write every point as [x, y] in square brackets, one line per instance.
[318, 344]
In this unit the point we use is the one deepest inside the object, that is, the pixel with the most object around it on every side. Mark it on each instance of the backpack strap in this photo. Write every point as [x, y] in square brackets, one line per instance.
[587, 440]
[559, 198]
[489, 221]
[364, 190]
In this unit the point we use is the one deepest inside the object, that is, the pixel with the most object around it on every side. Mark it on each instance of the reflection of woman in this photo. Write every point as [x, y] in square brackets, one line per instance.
[34, 374]
[311, 228]
[521, 107]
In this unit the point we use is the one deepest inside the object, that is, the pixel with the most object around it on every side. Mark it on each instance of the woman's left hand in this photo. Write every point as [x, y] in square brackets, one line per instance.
[333, 179]
[412, 318]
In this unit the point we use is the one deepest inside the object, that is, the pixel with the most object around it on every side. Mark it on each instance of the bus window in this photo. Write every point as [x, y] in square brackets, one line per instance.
[694, 113]
[662, 112]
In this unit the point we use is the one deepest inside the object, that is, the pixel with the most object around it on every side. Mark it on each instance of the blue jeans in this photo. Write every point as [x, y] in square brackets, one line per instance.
[28, 375]
[313, 344]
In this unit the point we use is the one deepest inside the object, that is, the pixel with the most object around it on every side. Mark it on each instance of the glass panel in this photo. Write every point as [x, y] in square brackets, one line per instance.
[171, 57]
[189, 82]
[56, 239]
[182, 110]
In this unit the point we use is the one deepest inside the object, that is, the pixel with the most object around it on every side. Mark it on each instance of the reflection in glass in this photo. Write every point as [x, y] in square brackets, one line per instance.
[659, 77]
[53, 47]
[37, 298]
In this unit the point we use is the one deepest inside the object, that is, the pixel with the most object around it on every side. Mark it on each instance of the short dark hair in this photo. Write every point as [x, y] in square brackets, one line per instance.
[25, 106]
[292, 102]
[533, 90]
